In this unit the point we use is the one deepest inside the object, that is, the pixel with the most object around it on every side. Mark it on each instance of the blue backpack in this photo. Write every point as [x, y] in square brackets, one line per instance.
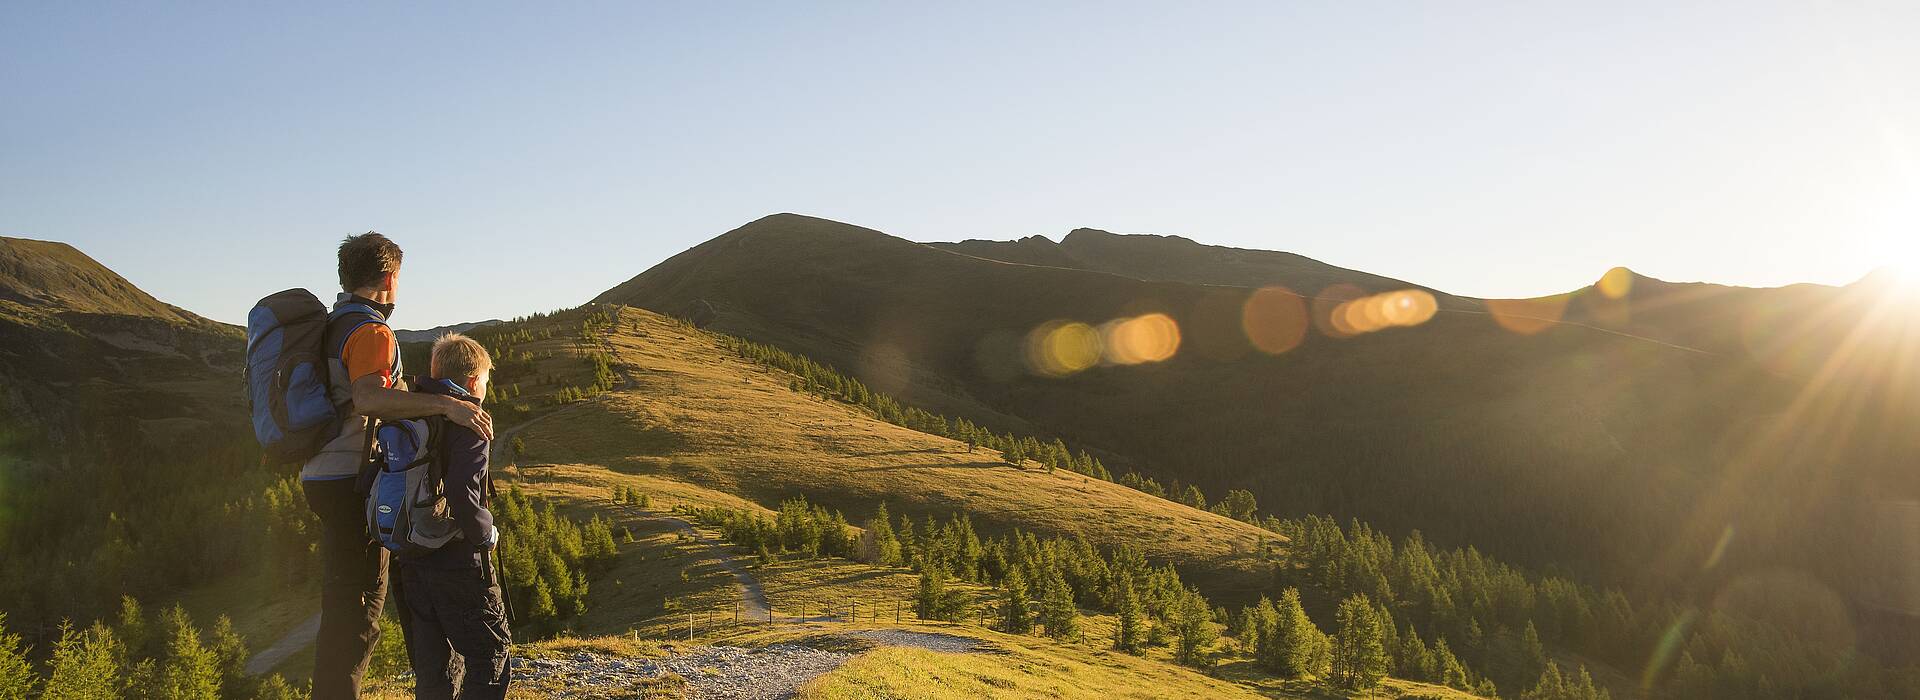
[288, 362]
[407, 508]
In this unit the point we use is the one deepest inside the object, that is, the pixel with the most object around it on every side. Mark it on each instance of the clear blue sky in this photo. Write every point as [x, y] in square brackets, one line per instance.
[550, 152]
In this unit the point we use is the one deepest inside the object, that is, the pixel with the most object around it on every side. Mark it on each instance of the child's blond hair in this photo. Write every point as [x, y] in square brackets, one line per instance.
[456, 356]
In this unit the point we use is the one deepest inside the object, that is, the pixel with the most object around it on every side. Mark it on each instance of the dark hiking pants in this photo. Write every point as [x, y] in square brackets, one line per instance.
[458, 634]
[353, 588]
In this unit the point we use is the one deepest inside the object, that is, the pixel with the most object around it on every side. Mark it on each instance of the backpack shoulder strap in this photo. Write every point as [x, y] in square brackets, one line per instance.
[433, 452]
[342, 322]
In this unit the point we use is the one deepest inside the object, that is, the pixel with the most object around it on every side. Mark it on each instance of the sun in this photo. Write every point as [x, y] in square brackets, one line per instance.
[1903, 275]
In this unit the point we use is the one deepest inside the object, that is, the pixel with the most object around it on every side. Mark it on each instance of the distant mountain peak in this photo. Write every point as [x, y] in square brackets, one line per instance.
[52, 277]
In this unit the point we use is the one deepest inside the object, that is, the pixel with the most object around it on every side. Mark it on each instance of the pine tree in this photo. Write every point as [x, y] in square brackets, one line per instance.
[1127, 637]
[929, 602]
[1359, 659]
[1240, 504]
[131, 627]
[1551, 686]
[16, 672]
[599, 537]
[1389, 635]
[1193, 497]
[1057, 612]
[230, 656]
[883, 546]
[276, 688]
[909, 546]
[1290, 650]
[142, 679]
[191, 671]
[1533, 654]
[1447, 668]
[1015, 615]
[1258, 637]
[1193, 628]
[1413, 660]
[540, 604]
[1554, 685]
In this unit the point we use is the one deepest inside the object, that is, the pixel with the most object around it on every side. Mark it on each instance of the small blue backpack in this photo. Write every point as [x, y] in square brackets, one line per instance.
[288, 363]
[407, 507]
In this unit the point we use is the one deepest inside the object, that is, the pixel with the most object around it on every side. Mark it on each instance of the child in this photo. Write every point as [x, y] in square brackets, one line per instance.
[458, 617]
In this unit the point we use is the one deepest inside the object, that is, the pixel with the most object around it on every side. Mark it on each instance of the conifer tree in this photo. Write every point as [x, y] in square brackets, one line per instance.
[85, 666]
[540, 604]
[1447, 668]
[1551, 686]
[1389, 635]
[131, 627]
[191, 671]
[1128, 635]
[1015, 615]
[143, 679]
[16, 672]
[275, 687]
[926, 599]
[1258, 637]
[1359, 659]
[230, 656]
[1057, 612]
[1533, 654]
[1555, 685]
[884, 548]
[1193, 628]
[1413, 660]
[1290, 649]
[1240, 504]
[909, 545]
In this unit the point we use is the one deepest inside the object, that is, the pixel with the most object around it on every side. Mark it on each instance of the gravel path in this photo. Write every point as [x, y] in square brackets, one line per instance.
[931, 641]
[301, 637]
[711, 673]
[773, 672]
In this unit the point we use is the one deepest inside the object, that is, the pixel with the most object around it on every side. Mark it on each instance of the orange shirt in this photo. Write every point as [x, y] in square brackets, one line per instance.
[370, 350]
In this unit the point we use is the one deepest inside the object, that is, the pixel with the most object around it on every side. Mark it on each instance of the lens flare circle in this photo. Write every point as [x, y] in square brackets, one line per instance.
[1142, 339]
[1274, 319]
[1062, 348]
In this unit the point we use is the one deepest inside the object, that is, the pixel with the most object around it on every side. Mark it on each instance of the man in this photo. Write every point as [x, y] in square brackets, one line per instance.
[364, 374]
[458, 617]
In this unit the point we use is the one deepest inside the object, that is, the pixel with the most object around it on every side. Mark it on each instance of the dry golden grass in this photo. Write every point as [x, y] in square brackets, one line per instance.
[692, 412]
[1016, 667]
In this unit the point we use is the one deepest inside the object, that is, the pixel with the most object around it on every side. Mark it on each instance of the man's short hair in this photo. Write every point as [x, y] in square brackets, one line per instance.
[456, 356]
[365, 259]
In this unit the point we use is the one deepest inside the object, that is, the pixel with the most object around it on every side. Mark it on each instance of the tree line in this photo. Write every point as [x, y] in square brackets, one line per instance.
[546, 558]
[137, 656]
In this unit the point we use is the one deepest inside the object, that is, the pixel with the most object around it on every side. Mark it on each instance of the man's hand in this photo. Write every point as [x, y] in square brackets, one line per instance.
[469, 415]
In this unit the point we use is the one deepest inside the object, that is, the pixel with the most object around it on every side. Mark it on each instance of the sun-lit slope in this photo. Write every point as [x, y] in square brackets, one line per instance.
[81, 348]
[1542, 436]
[1018, 667]
[691, 410]
[1178, 259]
[51, 277]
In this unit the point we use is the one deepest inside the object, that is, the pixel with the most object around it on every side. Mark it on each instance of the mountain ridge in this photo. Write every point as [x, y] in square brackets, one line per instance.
[1605, 383]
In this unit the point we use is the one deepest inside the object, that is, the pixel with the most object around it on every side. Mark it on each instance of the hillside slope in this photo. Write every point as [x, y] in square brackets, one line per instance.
[690, 410]
[123, 438]
[81, 346]
[1625, 455]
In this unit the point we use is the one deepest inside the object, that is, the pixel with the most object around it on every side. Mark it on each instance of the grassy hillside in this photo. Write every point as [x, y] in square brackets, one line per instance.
[690, 410]
[1605, 442]
[122, 438]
